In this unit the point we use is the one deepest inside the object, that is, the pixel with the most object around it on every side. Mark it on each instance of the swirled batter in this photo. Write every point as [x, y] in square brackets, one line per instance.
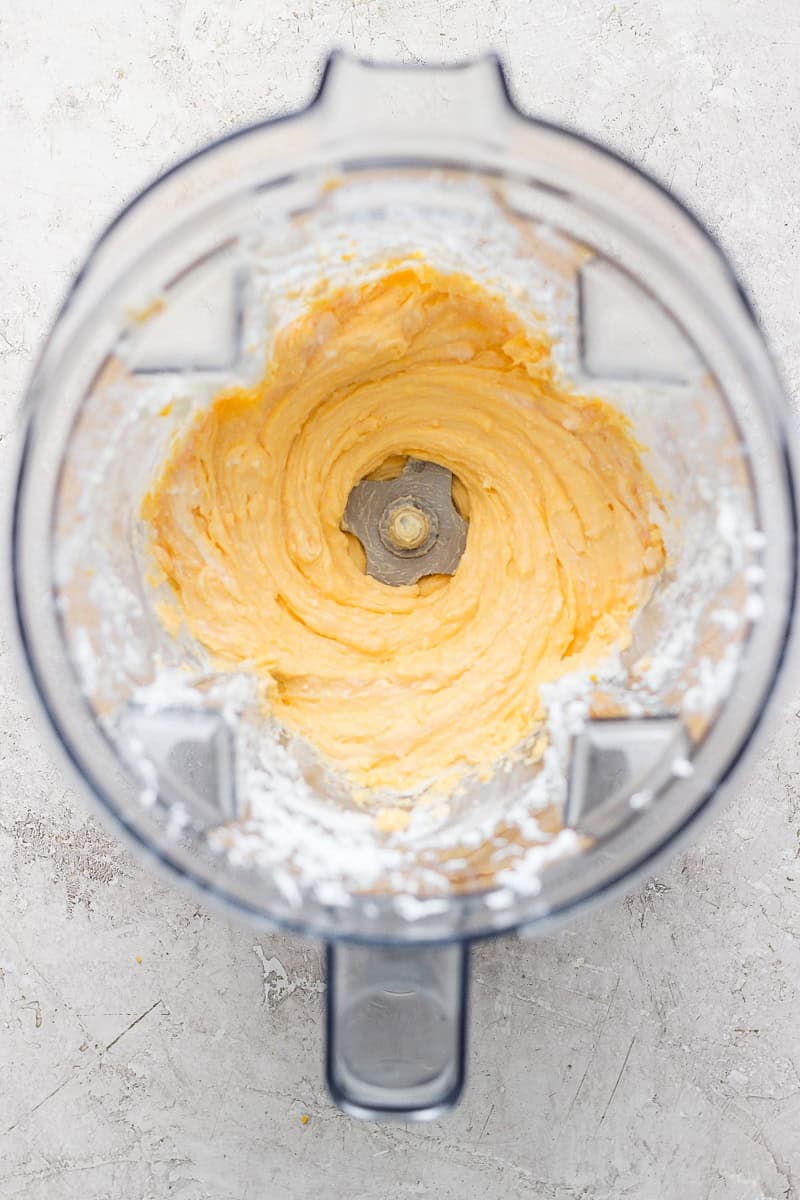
[398, 686]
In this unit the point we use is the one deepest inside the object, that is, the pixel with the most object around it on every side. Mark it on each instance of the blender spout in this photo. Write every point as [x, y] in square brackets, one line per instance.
[396, 1029]
[420, 102]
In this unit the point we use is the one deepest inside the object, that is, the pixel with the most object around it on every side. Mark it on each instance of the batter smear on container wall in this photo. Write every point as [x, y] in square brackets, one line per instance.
[398, 686]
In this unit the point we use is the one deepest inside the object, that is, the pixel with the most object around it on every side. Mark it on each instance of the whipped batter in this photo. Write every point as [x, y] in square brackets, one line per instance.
[399, 687]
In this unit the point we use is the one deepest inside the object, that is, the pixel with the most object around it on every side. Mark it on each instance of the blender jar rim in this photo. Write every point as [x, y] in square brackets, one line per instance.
[469, 906]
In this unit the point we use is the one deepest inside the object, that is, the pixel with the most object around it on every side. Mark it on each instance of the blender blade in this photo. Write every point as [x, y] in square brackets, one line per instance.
[408, 526]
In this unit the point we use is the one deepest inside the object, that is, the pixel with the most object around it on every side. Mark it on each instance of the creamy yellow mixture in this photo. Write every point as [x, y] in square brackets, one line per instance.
[397, 686]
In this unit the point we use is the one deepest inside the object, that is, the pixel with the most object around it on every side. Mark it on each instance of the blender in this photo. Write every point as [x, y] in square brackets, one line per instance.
[176, 301]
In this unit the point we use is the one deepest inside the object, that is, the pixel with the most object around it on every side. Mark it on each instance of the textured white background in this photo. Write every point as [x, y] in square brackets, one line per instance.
[653, 1050]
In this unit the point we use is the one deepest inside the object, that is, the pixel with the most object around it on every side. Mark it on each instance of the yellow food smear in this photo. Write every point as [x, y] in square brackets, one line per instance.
[140, 316]
[392, 820]
[398, 686]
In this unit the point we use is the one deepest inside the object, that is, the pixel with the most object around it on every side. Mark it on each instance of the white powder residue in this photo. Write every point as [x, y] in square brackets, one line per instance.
[524, 877]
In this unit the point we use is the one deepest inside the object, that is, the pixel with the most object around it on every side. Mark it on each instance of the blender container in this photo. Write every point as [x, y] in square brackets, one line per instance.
[182, 296]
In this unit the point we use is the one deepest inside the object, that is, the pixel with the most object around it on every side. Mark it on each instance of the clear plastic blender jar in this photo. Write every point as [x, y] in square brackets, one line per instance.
[178, 299]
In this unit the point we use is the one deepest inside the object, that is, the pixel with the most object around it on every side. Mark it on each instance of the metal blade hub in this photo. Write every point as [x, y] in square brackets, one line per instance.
[408, 526]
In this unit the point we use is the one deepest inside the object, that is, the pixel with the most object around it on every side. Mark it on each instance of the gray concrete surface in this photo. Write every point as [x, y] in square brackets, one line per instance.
[149, 1049]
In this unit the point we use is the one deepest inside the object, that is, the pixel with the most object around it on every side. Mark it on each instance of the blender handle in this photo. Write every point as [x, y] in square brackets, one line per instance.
[396, 1028]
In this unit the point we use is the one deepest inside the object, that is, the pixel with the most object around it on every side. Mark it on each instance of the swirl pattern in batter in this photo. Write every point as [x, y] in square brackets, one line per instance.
[399, 687]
